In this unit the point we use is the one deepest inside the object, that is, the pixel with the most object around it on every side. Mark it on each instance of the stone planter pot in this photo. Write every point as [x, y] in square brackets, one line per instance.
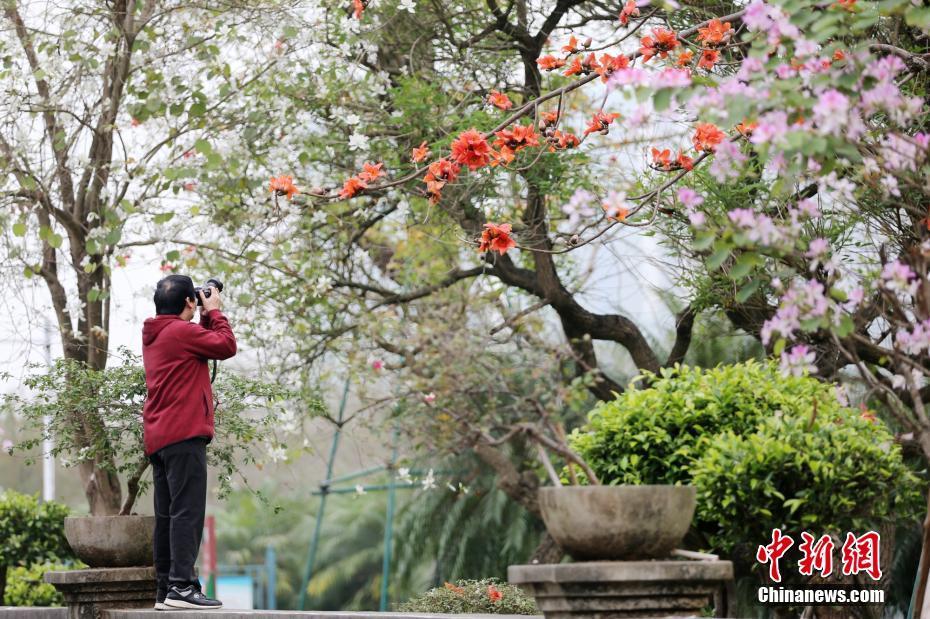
[617, 522]
[111, 541]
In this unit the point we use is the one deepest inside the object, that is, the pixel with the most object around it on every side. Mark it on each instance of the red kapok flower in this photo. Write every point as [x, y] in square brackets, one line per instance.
[709, 57]
[283, 186]
[500, 100]
[548, 118]
[560, 141]
[707, 136]
[454, 589]
[609, 64]
[501, 157]
[371, 172]
[839, 56]
[582, 67]
[359, 6]
[550, 63]
[493, 594]
[746, 128]
[715, 33]
[659, 44]
[420, 153]
[439, 173]
[572, 46]
[685, 58]
[496, 238]
[661, 159]
[600, 122]
[471, 149]
[629, 10]
[444, 170]
[574, 68]
[520, 136]
[352, 187]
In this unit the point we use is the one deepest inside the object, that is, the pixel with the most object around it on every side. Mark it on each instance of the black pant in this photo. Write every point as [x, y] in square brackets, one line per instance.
[179, 472]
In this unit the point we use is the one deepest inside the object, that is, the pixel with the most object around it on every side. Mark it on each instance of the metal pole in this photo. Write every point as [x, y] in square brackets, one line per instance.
[48, 460]
[389, 527]
[271, 569]
[324, 491]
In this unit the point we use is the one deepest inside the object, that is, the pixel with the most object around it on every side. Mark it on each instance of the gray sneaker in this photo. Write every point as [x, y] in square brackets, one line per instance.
[190, 597]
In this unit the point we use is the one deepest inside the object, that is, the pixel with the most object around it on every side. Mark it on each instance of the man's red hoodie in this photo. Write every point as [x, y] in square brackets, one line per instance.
[175, 351]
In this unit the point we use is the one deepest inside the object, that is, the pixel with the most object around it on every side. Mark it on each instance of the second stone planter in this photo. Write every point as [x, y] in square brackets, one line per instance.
[617, 522]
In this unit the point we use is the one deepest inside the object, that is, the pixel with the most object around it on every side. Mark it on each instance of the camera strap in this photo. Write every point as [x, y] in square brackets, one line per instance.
[213, 375]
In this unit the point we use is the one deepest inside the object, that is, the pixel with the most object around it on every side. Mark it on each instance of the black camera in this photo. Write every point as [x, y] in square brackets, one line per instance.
[212, 282]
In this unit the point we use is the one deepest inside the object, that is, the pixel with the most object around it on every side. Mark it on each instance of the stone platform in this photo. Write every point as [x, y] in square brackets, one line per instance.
[625, 589]
[90, 591]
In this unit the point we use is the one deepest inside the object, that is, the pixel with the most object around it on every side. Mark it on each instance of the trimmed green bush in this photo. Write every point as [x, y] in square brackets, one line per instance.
[653, 435]
[25, 586]
[488, 596]
[30, 532]
[764, 450]
[838, 473]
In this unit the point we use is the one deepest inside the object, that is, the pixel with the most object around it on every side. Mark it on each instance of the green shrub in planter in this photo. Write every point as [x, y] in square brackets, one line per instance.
[831, 474]
[653, 435]
[488, 596]
[763, 448]
[25, 586]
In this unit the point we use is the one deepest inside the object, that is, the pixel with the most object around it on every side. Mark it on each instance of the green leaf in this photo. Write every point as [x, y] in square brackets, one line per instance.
[55, 240]
[779, 347]
[162, 218]
[704, 240]
[745, 264]
[845, 327]
[661, 99]
[919, 17]
[748, 290]
[19, 229]
[197, 109]
[717, 258]
[203, 146]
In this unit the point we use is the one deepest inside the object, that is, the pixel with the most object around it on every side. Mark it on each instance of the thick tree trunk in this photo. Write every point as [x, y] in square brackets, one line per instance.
[548, 551]
[102, 489]
[923, 569]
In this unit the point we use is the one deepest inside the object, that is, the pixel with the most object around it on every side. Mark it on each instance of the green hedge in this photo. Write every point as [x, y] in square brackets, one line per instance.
[31, 532]
[488, 596]
[764, 450]
[25, 587]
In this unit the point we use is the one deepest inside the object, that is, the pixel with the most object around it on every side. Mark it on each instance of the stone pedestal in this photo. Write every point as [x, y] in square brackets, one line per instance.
[625, 589]
[89, 591]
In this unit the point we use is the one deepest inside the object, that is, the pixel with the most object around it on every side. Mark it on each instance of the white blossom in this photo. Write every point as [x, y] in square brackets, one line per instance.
[429, 482]
[358, 141]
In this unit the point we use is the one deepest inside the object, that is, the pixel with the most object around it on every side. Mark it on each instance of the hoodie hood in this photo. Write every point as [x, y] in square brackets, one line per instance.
[152, 327]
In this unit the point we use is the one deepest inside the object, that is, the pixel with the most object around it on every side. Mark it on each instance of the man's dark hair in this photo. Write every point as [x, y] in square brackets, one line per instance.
[171, 292]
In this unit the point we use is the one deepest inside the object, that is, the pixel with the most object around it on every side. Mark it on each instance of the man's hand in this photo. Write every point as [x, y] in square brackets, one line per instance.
[213, 302]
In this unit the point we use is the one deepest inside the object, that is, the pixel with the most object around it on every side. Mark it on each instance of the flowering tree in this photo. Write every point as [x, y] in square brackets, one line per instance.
[107, 107]
[792, 187]
[778, 148]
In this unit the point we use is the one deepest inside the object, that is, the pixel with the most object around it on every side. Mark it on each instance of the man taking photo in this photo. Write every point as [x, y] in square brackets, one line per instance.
[177, 422]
